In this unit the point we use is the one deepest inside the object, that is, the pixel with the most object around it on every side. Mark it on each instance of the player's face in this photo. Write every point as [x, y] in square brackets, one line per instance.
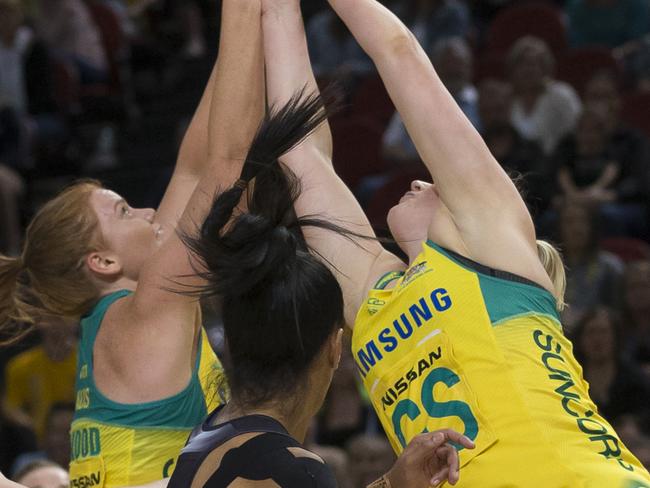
[409, 220]
[128, 232]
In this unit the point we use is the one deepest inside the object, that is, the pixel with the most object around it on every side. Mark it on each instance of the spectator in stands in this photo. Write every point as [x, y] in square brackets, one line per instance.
[626, 145]
[586, 170]
[434, 20]
[11, 190]
[630, 428]
[13, 428]
[453, 61]
[189, 13]
[636, 307]
[520, 157]
[608, 23]
[593, 276]
[616, 384]
[369, 456]
[43, 474]
[56, 441]
[635, 57]
[601, 165]
[183, 16]
[55, 445]
[544, 109]
[70, 32]
[641, 449]
[333, 50]
[44, 375]
[30, 115]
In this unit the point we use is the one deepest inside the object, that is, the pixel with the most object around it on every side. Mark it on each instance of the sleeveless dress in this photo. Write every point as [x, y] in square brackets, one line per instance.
[116, 444]
[458, 345]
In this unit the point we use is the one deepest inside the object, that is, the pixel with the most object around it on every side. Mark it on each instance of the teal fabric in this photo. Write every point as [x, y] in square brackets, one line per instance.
[184, 410]
[383, 282]
[507, 299]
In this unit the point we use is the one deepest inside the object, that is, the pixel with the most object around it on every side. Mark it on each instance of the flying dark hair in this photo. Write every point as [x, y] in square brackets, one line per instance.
[280, 302]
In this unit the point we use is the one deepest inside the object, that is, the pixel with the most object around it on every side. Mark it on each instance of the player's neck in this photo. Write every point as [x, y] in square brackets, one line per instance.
[296, 419]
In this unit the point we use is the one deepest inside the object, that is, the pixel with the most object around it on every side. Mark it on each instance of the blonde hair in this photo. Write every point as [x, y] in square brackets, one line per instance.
[49, 278]
[554, 266]
[526, 44]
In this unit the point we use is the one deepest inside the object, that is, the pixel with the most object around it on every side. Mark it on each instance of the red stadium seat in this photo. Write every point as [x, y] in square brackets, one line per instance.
[66, 86]
[389, 194]
[578, 66]
[490, 65]
[528, 18]
[627, 248]
[371, 101]
[357, 149]
[636, 111]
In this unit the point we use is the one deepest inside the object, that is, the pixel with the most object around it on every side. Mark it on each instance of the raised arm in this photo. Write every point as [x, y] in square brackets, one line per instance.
[205, 130]
[190, 163]
[355, 262]
[288, 67]
[481, 198]
[156, 318]
[235, 110]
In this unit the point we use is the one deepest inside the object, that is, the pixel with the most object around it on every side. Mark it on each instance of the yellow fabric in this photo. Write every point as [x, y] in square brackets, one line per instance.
[113, 454]
[432, 358]
[34, 383]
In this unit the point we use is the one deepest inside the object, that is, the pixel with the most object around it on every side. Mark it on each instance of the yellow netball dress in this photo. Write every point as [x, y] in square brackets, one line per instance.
[115, 444]
[458, 345]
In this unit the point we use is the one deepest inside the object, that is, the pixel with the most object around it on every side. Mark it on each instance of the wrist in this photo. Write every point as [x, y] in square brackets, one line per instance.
[279, 7]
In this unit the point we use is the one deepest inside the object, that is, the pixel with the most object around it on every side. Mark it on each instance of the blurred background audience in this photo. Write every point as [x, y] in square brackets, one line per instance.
[560, 91]
[43, 474]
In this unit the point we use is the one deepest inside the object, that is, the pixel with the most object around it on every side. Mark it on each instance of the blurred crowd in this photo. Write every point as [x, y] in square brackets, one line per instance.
[559, 90]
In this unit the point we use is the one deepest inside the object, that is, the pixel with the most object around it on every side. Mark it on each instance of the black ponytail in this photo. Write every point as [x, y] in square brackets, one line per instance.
[280, 302]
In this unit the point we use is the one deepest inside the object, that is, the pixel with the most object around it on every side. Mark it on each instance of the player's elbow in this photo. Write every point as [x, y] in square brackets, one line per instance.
[398, 44]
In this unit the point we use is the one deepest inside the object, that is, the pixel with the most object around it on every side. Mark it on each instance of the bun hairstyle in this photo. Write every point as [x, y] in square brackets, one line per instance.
[280, 302]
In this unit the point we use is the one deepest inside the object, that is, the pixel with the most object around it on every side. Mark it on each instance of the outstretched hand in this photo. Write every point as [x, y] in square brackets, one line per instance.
[429, 460]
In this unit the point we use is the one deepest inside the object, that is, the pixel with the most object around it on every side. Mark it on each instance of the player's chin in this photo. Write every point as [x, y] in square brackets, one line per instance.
[397, 219]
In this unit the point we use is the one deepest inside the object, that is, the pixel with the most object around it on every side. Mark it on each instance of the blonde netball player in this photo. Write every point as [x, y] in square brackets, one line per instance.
[466, 335]
[146, 374]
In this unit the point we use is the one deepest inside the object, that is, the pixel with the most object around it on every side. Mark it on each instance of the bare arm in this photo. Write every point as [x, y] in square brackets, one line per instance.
[206, 130]
[155, 318]
[236, 108]
[5, 483]
[355, 263]
[190, 163]
[481, 198]
[288, 67]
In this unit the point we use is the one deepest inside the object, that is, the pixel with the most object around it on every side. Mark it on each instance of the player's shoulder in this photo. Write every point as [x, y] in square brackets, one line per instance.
[280, 459]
